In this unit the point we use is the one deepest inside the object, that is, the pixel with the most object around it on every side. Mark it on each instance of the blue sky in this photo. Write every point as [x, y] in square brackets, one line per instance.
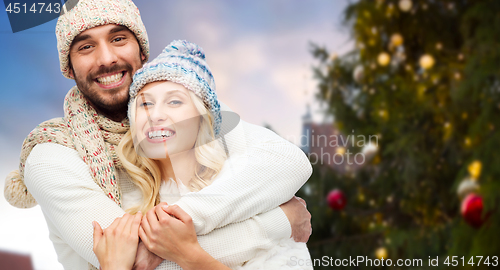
[258, 52]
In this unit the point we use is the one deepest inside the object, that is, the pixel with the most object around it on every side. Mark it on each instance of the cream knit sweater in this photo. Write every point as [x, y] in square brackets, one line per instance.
[269, 172]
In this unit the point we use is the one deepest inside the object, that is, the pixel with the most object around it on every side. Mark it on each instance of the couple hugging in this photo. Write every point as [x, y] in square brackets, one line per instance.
[145, 151]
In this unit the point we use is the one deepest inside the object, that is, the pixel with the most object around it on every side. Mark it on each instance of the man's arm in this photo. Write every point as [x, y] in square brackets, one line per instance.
[268, 172]
[61, 184]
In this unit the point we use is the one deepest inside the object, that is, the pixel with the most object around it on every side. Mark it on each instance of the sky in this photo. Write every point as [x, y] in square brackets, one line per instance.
[258, 51]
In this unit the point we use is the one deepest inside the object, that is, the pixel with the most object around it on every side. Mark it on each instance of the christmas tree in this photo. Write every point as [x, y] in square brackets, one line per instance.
[424, 78]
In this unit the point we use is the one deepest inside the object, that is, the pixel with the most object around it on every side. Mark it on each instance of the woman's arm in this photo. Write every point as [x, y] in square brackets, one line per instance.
[267, 172]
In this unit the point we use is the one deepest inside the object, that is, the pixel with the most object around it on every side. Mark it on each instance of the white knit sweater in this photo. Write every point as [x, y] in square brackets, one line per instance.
[268, 173]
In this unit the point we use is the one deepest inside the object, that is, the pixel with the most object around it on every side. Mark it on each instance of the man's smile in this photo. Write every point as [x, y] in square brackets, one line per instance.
[112, 80]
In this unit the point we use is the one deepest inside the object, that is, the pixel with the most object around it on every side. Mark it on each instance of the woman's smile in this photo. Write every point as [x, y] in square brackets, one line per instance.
[159, 134]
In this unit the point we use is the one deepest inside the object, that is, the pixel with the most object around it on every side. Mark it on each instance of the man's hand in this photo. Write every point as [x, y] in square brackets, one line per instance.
[145, 259]
[300, 219]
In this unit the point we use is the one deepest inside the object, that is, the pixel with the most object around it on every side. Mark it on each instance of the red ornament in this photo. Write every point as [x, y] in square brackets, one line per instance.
[336, 199]
[472, 209]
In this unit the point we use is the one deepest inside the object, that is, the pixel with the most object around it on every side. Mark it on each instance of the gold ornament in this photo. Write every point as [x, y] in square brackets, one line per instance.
[381, 252]
[396, 40]
[340, 150]
[405, 5]
[383, 59]
[475, 169]
[426, 61]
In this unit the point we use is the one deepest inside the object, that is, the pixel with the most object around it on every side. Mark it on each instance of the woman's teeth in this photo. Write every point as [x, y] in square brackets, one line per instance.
[160, 134]
[110, 79]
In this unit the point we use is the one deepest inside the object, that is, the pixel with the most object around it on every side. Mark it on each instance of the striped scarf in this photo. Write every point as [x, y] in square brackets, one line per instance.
[92, 135]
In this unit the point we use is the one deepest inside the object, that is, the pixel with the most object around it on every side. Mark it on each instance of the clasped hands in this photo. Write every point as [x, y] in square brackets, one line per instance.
[167, 233]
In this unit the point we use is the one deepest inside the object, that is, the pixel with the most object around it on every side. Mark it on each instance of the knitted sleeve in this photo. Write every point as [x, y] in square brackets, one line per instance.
[267, 171]
[240, 242]
[62, 185]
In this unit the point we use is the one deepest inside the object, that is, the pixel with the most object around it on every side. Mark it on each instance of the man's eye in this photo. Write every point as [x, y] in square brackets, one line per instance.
[86, 47]
[118, 39]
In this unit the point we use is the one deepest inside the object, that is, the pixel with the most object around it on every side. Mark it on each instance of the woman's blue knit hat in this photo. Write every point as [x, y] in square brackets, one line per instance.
[184, 63]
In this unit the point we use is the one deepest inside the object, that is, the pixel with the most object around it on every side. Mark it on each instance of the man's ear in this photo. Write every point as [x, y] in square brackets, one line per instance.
[143, 57]
[71, 74]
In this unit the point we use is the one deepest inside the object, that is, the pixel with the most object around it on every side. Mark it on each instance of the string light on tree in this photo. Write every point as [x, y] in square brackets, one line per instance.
[390, 10]
[426, 61]
[340, 150]
[396, 40]
[405, 5]
[383, 59]
[381, 252]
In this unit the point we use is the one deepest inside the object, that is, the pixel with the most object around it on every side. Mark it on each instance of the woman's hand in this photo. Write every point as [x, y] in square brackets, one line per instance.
[169, 232]
[116, 246]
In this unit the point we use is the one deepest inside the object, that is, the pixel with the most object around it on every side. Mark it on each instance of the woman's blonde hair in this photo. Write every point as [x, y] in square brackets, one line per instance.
[145, 172]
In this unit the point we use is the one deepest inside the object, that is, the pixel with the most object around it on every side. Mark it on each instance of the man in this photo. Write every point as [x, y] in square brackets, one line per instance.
[71, 168]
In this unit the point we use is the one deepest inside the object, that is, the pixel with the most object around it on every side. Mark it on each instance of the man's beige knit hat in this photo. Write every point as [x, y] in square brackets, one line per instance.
[87, 14]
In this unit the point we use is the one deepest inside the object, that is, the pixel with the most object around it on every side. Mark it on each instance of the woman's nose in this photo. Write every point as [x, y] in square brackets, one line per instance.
[158, 115]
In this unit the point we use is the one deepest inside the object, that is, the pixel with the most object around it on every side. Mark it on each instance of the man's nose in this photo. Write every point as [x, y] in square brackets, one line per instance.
[106, 55]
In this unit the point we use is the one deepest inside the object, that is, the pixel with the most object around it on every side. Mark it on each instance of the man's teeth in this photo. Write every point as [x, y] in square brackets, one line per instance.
[160, 134]
[110, 79]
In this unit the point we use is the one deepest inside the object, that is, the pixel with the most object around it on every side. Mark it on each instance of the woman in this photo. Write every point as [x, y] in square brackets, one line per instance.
[170, 151]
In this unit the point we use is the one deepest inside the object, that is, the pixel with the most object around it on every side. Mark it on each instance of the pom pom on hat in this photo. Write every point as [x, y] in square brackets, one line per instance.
[184, 47]
[184, 63]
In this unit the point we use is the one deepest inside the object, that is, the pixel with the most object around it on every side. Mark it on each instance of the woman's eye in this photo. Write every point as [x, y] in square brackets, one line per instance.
[175, 102]
[146, 104]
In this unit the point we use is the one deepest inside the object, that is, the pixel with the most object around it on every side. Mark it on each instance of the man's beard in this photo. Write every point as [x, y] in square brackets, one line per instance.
[115, 108]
